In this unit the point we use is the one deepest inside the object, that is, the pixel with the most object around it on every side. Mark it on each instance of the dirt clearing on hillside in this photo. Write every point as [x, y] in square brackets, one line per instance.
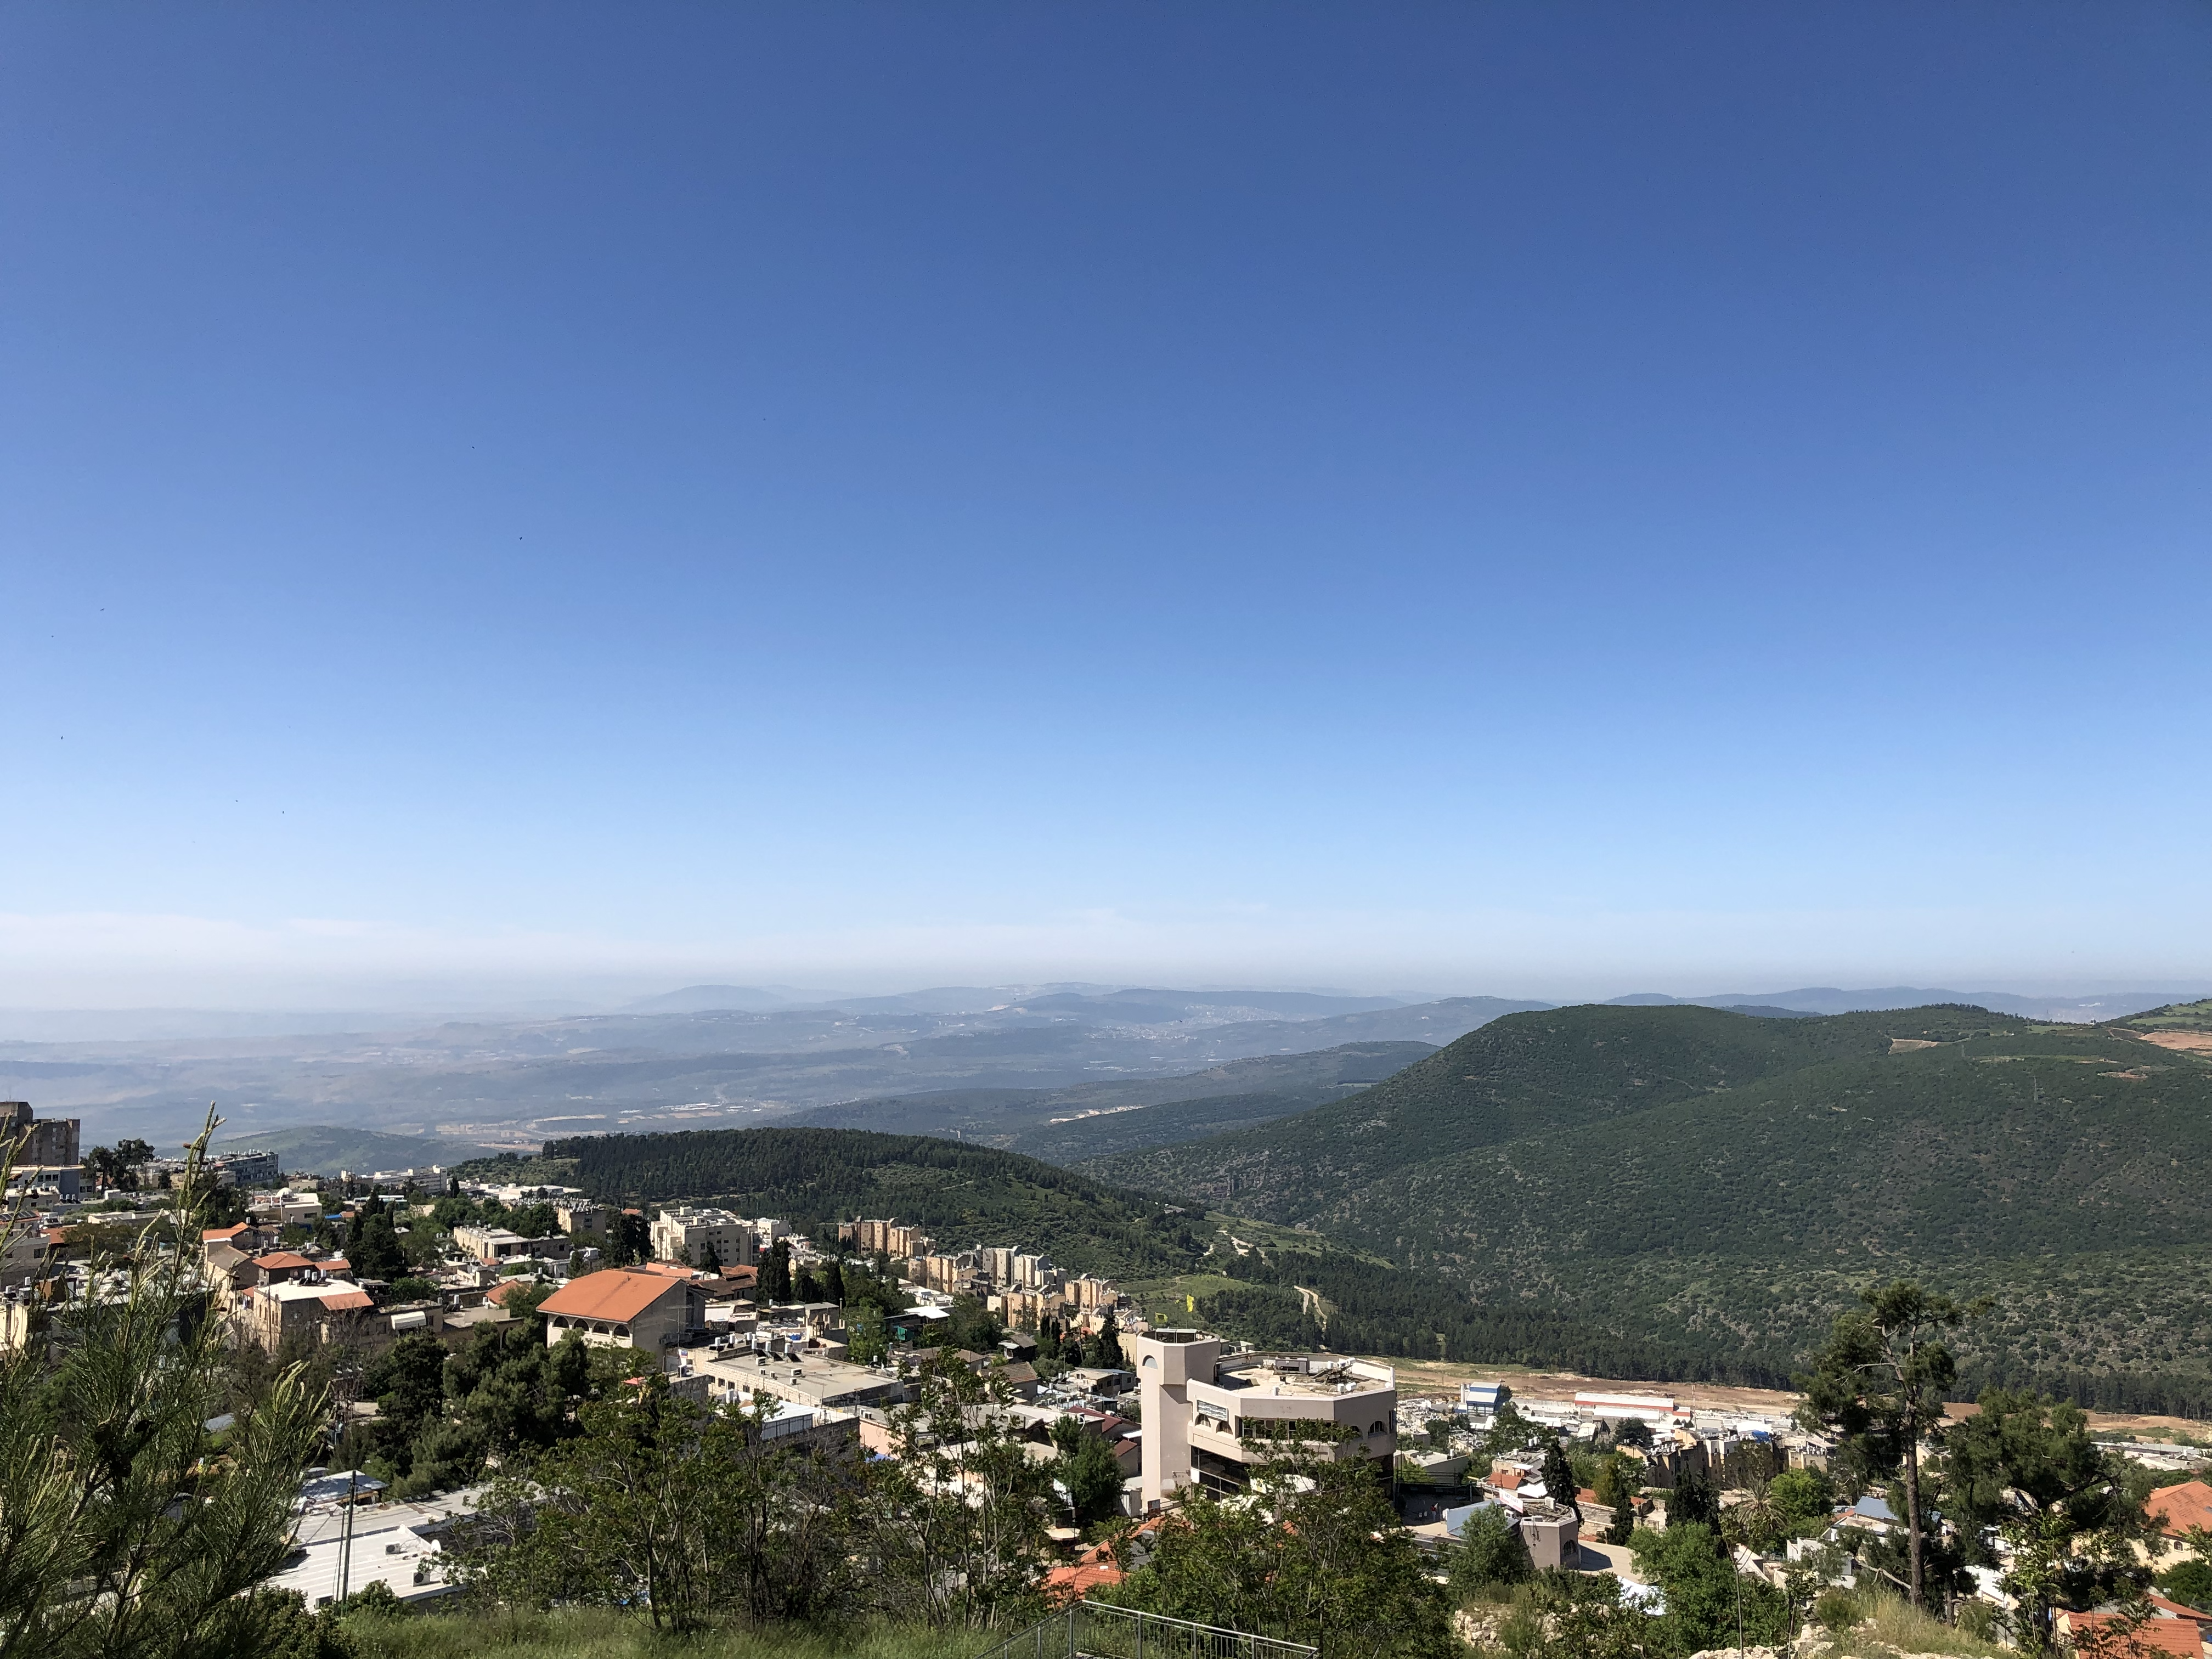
[1430, 1376]
[2190, 1042]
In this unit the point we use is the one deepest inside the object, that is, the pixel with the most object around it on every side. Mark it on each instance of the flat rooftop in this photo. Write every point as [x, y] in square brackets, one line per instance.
[802, 1381]
[1314, 1375]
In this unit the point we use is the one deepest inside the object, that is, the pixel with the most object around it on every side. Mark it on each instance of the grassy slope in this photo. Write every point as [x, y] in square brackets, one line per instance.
[1687, 1173]
[964, 1194]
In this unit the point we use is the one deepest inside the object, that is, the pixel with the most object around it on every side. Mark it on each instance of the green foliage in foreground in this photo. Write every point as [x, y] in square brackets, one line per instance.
[128, 1530]
[602, 1633]
[1315, 1556]
[961, 1193]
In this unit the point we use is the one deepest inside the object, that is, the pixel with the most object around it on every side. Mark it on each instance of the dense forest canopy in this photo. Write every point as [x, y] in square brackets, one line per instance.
[962, 1195]
[1689, 1178]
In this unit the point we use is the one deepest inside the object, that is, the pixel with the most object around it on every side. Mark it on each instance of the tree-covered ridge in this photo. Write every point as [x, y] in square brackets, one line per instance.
[2173, 1017]
[1565, 1069]
[1677, 1174]
[961, 1193]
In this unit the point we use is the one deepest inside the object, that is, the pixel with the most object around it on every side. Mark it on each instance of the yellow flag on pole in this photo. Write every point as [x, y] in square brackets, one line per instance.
[1190, 1304]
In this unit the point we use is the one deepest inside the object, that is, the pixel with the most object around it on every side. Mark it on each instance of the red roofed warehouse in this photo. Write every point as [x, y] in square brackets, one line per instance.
[618, 1308]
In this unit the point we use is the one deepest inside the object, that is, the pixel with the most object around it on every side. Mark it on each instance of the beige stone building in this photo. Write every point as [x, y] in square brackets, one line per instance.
[1210, 1417]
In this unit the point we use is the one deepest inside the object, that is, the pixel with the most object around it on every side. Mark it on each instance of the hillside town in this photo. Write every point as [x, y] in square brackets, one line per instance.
[829, 1337]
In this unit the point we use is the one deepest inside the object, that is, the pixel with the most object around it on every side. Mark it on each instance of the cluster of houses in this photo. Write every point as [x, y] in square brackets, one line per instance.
[1184, 1411]
[1021, 1287]
[1734, 1451]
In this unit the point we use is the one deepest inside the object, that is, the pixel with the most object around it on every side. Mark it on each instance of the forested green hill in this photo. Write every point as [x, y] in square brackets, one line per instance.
[964, 1194]
[1680, 1174]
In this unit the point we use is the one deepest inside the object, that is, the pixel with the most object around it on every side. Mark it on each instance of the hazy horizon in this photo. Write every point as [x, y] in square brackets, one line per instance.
[1553, 501]
[553, 1001]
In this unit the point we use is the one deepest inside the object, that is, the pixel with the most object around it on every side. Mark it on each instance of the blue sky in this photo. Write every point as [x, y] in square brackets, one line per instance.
[1548, 498]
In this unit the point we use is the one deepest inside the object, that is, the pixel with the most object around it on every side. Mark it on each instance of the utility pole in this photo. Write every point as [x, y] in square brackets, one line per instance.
[345, 1537]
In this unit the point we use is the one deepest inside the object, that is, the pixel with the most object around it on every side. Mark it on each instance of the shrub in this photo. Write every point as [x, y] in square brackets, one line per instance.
[1837, 1609]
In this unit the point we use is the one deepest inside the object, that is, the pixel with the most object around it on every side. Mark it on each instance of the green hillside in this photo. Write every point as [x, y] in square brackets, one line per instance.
[964, 1194]
[1676, 1173]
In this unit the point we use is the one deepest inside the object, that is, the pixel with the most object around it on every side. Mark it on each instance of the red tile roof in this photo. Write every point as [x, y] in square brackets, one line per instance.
[2177, 1508]
[2175, 1610]
[1094, 1567]
[339, 1300]
[281, 1260]
[210, 1233]
[617, 1294]
[2095, 1634]
[507, 1287]
[1073, 1583]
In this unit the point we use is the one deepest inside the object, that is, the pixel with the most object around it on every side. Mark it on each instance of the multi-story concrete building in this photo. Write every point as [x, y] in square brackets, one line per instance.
[1087, 1292]
[686, 1235]
[943, 1272]
[1024, 1309]
[581, 1216]
[889, 1238]
[1032, 1271]
[51, 1142]
[1211, 1417]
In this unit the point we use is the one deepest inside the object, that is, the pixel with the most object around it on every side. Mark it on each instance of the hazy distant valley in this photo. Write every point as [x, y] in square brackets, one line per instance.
[1063, 1072]
[512, 1083]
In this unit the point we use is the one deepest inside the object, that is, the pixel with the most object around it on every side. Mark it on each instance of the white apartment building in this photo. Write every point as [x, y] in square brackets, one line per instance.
[1210, 1417]
[685, 1234]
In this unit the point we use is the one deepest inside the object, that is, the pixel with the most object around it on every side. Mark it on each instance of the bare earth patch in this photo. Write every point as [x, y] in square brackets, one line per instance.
[2191, 1041]
[1431, 1376]
[1906, 1045]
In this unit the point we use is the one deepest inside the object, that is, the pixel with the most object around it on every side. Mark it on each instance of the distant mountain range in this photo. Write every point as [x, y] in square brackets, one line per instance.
[1827, 1000]
[512, 1083]
[1085, 1119]
[1677, 1173]
[1097, 1004]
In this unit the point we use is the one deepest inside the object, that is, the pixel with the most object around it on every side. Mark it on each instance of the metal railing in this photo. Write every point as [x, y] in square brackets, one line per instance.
[1092, 1630]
